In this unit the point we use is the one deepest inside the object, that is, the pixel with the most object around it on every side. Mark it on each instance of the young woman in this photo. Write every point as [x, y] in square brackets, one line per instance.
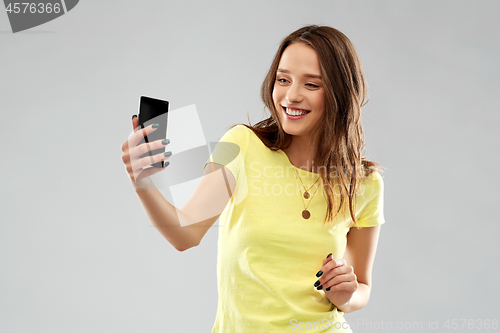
[299, 207]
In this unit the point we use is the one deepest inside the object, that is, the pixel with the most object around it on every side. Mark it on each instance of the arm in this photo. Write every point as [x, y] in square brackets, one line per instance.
[350, 279]
[184, 228]
[360, 254]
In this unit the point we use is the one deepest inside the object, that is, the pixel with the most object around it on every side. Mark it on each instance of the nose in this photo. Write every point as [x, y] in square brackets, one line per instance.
[293, 94]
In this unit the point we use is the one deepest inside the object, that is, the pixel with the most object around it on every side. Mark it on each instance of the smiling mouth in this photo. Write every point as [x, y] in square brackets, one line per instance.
[294, 111]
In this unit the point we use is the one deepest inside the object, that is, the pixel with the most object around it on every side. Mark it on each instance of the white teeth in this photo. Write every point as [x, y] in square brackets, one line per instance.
[295, 112]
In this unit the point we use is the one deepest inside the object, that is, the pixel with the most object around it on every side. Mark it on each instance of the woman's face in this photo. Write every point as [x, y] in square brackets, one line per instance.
[298, 93]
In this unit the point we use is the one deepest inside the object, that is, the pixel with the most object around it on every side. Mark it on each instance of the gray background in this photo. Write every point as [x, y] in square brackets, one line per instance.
[77, 253]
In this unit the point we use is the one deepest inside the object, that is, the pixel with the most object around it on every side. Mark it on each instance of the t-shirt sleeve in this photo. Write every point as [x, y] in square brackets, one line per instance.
[372, 212]
[227, 151]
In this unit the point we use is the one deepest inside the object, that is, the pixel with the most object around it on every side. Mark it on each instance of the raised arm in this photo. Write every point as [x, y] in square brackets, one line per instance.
[185, 227]
[182, 227]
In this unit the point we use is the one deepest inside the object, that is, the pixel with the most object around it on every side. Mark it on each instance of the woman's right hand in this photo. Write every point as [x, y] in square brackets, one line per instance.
[135, 165]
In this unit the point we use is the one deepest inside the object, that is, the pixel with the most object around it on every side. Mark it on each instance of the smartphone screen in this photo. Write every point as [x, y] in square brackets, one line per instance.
[153, 111]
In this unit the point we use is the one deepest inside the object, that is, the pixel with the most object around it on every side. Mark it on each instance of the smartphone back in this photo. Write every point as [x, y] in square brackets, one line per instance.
[153, 111]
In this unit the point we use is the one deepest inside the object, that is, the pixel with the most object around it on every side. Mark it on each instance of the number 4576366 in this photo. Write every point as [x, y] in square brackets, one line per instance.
[33, 8]
[461, 324]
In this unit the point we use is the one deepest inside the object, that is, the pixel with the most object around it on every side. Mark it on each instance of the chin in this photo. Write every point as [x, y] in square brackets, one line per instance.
[293, 130]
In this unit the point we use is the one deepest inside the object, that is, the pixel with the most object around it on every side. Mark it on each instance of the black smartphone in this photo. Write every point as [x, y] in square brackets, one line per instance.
[153, 111]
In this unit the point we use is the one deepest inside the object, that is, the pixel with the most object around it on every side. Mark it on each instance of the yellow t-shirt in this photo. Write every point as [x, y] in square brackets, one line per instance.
[268, 254]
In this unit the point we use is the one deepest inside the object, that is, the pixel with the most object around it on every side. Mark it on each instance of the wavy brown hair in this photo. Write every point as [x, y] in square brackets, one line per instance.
[340, 135]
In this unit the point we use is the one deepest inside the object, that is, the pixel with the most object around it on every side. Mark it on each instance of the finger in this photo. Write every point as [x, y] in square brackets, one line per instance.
[329, 279]
[331, 270]
[329, 264]
[328, 258]
[340, 279]
[324, 274]
[147, 147]
[324, 267]
[139, 135]
[340, 262]
[337, 270]
[334, 263]
[139, 164]
[151, 171]
[349, 286]
[135, 122]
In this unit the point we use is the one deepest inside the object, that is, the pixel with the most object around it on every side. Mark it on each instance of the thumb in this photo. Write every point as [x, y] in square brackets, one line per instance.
[135, 122]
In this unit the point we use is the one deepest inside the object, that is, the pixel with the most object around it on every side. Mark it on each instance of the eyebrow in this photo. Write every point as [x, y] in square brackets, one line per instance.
[314, 76]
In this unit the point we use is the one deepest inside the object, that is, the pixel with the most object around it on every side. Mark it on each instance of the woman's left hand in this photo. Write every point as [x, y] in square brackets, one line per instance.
[338, 281]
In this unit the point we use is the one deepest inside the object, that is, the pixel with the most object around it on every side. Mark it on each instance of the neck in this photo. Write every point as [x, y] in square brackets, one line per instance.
[301, 153]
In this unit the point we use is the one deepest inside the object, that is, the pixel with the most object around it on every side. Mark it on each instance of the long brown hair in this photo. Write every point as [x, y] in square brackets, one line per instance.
[340, 131]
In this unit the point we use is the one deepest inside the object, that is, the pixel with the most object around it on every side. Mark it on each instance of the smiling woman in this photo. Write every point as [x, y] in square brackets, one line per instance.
[298, 91]
[299, 207]
[317, 69]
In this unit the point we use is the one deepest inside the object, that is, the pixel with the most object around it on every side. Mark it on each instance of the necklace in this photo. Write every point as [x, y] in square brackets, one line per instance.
[306, 193]
[305, 213]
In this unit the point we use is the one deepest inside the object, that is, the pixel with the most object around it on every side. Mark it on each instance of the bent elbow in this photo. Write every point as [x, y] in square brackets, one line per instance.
[184, 247]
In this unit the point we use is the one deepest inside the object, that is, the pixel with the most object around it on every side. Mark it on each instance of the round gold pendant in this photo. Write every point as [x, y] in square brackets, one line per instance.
[306, 195]
[306, 214]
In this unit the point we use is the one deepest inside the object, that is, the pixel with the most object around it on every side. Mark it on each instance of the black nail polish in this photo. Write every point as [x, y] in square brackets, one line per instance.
[317, 283]
[319, 273]
[327, 289]
[134, 116]
[328, 256]
[319, 288]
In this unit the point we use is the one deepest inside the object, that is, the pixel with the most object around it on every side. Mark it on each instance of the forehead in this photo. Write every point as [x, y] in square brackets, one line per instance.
[299, 58]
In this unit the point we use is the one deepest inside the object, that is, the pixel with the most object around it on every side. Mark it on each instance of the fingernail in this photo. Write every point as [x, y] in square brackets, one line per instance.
[166, 164]
[328, 256]
[134, 116]
[327, 289]
[319, 273]
[155, 126]
[319, 288]
[165, 142]
[168, 153]
[317, 283]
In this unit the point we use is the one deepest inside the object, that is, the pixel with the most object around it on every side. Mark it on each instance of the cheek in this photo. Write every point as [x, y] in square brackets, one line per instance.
[320, 102]
[276, 95]
[276, 102]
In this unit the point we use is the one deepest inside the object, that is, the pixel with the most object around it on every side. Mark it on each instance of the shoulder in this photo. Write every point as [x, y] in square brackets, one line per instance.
[234, 142]
[371, 201]
[372, 185]
[241, 135]
[374, 176]
[236, 132]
